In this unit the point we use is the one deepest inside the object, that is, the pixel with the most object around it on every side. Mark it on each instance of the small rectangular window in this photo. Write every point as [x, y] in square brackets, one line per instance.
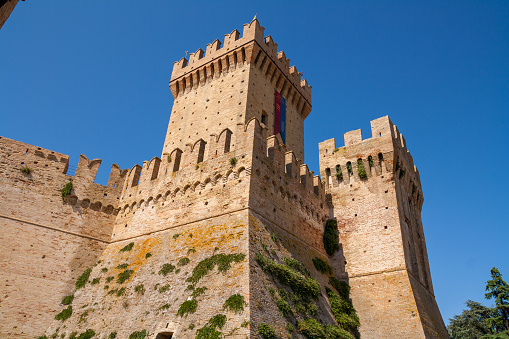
[264, 118]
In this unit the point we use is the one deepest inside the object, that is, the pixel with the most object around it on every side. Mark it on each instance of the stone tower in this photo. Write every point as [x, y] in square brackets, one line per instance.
[216, 90]
[222, 235]
[374, 191]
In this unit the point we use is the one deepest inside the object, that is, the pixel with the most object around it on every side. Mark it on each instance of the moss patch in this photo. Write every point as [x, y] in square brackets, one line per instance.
[67, 300]
[127, 247]
[266, 331]
[165, 269]
[138, 335]
[222, 261]
[300, 284]
[66, 190]
[124, 276]
[322, 266]
[331, 237]
[83, 279]
[65, 314]
[187, 307]
[235, 303]
[183, 262]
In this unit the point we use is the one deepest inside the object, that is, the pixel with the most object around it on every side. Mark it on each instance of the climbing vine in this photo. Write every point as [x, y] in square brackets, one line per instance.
[331, 237]
[266, 331]
[349, 168]
[65, 314]
[235, 303]
[339, 173]
[66, 190]
[187, 307]
[322, 266]
[209, 331]
[301, 285]
[127, 247]
[83, 279]
[343, 311]
[361, 170]
[222, 261]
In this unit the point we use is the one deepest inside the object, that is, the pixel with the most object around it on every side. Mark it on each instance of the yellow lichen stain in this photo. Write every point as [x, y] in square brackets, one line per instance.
[209, 236]
[147, 245]
[135, 258]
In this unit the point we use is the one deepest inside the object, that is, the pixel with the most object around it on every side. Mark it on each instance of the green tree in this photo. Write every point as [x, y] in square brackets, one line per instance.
[474, 322]
[498, 289]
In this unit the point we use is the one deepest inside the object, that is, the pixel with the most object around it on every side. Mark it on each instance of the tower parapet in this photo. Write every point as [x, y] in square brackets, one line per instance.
[218, 58]
[211, 89]
[384, 153]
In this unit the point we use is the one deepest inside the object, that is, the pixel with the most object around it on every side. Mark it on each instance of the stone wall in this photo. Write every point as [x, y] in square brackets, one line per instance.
[46, 241]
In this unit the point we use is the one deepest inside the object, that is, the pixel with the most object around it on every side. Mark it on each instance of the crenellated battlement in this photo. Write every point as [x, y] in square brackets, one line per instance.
[182, 172]
[22, 154]
[291, 185]
[385, 152]
[251, 48]
[48, 171]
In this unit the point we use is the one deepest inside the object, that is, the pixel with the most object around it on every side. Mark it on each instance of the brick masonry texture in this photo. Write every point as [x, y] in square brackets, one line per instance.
[224, 185]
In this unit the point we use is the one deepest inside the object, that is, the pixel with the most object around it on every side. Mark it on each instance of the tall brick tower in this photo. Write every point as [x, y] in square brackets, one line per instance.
[220, 88]
[374, 192]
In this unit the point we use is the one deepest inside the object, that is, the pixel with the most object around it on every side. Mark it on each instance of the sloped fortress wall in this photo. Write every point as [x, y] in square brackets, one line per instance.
[374, 191]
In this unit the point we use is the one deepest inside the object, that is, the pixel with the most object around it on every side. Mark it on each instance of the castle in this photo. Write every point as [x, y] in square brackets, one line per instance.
[223, 235]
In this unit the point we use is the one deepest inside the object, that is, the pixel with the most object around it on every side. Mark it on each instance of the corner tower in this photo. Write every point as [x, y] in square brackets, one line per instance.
[232, 83]
[375, 193]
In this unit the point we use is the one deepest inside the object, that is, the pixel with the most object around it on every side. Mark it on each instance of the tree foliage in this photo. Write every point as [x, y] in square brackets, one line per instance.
[479, 321]
[472, 323]
[498, 289]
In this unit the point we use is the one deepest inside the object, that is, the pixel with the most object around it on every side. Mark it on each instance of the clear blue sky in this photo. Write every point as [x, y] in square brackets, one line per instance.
[92, 77]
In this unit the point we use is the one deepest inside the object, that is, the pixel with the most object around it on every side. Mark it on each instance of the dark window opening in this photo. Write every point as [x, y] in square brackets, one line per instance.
[264, 118]
[176, 163]
[164, 335]
[243, 53]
